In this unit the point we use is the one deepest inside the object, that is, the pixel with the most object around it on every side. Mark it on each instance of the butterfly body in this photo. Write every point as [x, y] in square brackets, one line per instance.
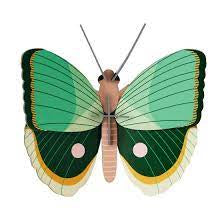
[109, 95]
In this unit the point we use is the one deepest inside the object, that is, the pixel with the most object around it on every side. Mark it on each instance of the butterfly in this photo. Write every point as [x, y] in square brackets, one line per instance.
[152, 121]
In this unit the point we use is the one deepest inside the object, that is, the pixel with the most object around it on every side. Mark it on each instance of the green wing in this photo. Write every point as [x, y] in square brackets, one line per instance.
[168, 153]
[51, 155]
[63, 115]
[156, 119]
[57, 96]
[168, 94]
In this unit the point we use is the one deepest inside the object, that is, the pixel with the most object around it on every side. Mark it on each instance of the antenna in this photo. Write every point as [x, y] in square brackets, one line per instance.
[92, 50]
[129, 53]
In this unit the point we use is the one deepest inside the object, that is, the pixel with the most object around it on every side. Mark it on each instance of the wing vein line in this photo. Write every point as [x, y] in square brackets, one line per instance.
[51, 148]
[171, 152]
[45, 93]
[54, 154]
[155, 72]
[66, 76]
[178, 138]
[150, 102]
[152, 173]
[38, 135]
[155, 156]
[72, 163]
[162, 108]
[189, 139]
[176, 145]
[66, 152]
[39, 80]
[67, 123]
[149, 134]
[73, 88]
[68, 71]
[68, 93]
[146, 162]
[154, 64]
[125, 98]
[40, 150]
[155, 121]
[56, 108]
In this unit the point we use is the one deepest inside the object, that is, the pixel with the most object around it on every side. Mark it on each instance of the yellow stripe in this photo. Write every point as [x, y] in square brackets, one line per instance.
[160, 178]
[196, 82]
[32, 91]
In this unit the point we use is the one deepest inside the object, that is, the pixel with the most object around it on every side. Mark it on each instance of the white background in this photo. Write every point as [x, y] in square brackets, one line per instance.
[111, 27]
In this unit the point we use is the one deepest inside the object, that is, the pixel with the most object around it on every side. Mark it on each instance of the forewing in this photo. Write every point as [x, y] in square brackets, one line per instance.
[168, 94]
[57, 96]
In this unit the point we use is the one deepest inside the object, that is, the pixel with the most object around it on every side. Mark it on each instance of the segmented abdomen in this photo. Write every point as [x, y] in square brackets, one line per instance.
[109, 149]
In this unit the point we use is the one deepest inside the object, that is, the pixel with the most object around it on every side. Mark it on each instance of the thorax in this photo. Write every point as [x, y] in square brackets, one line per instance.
[109, 89]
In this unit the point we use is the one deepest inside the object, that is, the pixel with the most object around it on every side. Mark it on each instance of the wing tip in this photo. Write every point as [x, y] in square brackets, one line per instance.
[27, 55]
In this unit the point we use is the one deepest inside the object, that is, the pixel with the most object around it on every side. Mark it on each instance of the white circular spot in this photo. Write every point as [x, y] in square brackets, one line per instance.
[140, 150]
[78, 150]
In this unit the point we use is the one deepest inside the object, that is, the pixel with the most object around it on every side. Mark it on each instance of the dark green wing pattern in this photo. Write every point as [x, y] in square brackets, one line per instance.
[51, 155]
[156, 159]
[164, 147]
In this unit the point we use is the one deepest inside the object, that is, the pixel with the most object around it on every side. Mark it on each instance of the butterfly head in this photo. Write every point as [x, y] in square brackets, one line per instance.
[108, 74]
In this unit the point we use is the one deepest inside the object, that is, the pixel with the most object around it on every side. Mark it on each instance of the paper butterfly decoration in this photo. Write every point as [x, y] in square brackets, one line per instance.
[152, 120]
